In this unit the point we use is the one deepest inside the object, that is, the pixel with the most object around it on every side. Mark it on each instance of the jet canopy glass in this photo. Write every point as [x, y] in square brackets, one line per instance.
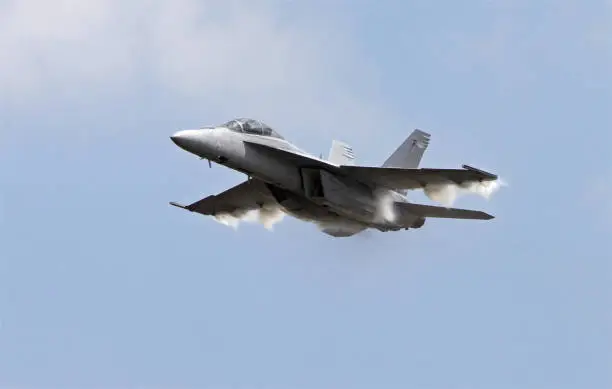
[251, 126]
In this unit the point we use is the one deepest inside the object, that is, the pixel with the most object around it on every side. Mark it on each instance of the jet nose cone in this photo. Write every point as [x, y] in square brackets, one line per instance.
[184, 137]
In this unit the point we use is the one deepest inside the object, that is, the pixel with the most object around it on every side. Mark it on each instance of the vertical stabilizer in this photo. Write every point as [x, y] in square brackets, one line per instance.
[341, 154]
[408, 155]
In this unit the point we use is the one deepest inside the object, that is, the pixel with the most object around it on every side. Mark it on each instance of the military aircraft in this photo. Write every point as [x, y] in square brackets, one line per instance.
[340, 197]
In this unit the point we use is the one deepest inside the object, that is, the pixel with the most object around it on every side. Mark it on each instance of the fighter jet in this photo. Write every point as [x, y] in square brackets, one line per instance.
[341, 198]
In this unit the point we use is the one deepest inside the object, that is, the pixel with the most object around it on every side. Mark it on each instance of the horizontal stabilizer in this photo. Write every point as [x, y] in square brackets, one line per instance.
[442, 212]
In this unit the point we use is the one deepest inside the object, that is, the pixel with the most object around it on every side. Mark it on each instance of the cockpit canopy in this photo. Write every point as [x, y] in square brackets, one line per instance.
[251, 126]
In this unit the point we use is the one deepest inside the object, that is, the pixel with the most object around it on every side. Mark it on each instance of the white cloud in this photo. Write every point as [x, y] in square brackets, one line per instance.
[45, 44]
[239, 57]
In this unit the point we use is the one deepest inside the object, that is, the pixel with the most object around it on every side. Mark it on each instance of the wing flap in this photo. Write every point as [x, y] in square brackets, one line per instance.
[251, 194]
[442, 212]
[397, 178]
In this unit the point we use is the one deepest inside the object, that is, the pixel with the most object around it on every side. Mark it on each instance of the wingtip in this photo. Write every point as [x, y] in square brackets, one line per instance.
[487, 175]
[177, 205]
[483, 215]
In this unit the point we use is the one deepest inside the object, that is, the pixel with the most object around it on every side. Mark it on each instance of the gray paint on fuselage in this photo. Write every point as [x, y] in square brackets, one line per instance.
[228, 148]
[219, 143]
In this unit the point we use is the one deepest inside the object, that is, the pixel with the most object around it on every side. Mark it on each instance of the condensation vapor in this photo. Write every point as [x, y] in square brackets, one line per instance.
[268, 216]
[385, 210]
[447, 193]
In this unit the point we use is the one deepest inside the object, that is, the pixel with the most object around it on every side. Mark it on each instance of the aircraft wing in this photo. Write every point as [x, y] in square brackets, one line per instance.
[394, 178]
[244, 197]
[397, 178]
[442, 212]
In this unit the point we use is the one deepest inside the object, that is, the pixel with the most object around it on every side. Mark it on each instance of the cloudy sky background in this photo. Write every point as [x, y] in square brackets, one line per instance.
[102, 284]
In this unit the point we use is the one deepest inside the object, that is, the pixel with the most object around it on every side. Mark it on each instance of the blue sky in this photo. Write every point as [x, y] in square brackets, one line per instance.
[102, 284]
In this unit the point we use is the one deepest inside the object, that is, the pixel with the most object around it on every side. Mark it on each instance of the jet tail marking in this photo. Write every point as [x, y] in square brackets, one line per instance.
[408, 155]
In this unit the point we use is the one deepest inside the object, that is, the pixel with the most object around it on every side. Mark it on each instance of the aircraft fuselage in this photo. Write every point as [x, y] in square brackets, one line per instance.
[354, 212]
[342, 198]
